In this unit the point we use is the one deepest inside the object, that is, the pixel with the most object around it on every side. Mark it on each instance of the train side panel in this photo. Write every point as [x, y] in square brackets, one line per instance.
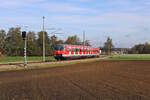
[73, 51]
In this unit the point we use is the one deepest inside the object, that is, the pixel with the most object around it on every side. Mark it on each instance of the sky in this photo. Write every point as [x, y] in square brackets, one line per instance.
[127, 22]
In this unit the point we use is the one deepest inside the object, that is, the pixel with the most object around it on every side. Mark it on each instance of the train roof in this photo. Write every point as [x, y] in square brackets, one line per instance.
[77, 46]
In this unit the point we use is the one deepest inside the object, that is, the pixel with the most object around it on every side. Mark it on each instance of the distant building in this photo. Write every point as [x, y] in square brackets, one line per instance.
[120, 50]
[116, 50]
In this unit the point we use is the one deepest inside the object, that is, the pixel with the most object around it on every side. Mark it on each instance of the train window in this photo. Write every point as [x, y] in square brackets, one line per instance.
[69, 49]
[76, 50]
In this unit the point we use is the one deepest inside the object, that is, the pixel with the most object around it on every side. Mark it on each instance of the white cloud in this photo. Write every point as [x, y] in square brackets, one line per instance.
[11, 4]
[127, 17]
[64, 8]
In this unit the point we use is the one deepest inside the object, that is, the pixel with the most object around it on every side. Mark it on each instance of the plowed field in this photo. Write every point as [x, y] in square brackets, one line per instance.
[100, 80]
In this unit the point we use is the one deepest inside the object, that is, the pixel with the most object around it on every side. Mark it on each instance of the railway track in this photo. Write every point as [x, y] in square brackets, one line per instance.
[60, 61]
[21, 63]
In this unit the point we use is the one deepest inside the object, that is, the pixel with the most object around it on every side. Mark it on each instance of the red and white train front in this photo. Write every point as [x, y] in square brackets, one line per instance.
[63, 51]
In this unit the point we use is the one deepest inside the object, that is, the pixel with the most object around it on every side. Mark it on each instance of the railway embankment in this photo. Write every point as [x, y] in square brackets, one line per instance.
[40, 65]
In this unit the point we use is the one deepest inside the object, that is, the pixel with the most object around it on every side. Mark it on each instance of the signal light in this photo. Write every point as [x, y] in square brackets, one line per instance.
[24, 35]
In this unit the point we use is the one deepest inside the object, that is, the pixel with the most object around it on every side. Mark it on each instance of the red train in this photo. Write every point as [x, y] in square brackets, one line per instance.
[63, 51]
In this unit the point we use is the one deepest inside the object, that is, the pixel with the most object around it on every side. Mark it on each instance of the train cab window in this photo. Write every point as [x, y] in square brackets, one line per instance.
[59, 47]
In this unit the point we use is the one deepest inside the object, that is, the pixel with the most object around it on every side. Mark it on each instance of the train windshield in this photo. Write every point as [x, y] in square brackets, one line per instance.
[59, 47]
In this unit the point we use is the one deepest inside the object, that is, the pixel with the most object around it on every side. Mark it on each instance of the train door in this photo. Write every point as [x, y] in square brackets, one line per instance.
[66, 50]
[87, 51]
[69, 51]
[80, 51]
[72, 51]
[83, 51]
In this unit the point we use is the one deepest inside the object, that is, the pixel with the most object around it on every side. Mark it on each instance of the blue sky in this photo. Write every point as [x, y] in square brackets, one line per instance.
[127, 22]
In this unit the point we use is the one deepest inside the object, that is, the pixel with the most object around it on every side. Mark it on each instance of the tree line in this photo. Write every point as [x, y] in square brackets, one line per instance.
[136, 49]
[140, 49]
[12, 44]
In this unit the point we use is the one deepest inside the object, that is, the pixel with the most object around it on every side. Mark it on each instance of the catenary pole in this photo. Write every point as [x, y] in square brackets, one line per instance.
[83, 38]
[43, 39]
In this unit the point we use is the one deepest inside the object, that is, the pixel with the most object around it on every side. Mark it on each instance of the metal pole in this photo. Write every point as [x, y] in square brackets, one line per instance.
[84, 38]
[25, 52]
[43, 41]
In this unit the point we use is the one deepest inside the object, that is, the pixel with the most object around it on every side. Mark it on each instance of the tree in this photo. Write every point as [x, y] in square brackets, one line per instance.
[14, 42]
[86, 42]
[32, 47]
[108, 45]
[146, 49]
[74, 40]
[2, 40]
[138, 49]
[54, 40]
[141, 49]
[40, 43]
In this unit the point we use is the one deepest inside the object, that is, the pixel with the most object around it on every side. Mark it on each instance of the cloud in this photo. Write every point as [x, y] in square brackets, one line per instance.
[85, 0]
[12, 4]
[117, 18]
[62, 7]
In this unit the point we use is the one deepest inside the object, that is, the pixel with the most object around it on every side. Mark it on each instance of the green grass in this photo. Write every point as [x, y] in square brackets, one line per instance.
[5, 60]
[9, 59]
[130, 57]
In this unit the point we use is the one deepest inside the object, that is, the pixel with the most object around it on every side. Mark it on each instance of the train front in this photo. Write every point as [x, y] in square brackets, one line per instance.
[59, 51]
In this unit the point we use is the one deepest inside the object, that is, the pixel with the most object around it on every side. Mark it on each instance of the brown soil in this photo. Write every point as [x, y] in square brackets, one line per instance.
[103, 80]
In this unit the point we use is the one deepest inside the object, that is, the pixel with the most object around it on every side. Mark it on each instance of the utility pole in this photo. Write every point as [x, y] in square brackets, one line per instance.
[43, 39]
[83, 38]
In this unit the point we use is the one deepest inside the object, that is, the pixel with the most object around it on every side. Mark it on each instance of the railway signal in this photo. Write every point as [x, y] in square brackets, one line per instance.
[25, 48]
